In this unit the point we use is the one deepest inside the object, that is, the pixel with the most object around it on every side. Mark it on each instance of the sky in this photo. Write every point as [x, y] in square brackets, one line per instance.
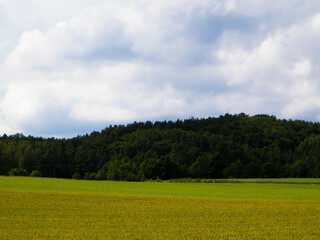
[68, 68]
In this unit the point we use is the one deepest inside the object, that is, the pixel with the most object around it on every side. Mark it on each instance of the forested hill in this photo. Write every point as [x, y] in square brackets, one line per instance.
[237, 146]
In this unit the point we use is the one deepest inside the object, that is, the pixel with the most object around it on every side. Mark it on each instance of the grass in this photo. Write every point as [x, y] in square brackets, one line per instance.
[252, 180]
[41, 215]
[253, 191]
[43, 208]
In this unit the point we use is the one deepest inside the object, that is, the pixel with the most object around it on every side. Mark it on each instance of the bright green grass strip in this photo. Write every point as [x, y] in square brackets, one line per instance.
[283, 180]
[251, 180]
[254, 191]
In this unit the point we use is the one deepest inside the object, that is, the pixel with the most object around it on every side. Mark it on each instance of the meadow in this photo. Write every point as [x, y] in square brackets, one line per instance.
[44, 208]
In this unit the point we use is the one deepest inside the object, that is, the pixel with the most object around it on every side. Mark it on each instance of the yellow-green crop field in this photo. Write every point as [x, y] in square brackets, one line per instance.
[42, 214]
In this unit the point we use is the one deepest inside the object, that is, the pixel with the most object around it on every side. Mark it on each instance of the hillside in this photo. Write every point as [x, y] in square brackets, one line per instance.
[237, 146]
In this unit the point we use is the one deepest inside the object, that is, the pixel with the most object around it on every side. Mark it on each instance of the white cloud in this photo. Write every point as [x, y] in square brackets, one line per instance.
[283, 66]
[29, 14]
[301, 68]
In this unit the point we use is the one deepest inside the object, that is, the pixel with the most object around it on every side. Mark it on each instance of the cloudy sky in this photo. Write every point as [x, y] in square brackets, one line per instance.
[71, 67]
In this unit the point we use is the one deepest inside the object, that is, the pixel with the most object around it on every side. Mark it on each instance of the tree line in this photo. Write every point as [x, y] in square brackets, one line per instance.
[229, 146]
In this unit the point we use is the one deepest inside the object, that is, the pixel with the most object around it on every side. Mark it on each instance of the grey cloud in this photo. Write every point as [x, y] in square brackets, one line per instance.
[208, 29]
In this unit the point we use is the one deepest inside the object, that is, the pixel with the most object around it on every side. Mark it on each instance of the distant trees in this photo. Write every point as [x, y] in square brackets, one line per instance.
[76, 176]
[18, 172]
[35, 173]
[230, 146]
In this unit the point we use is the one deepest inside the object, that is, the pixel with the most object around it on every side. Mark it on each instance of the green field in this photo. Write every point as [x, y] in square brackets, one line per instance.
[246, 190]
[44, 208]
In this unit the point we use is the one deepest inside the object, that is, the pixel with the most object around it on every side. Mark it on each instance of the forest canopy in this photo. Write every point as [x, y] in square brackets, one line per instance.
[229, 146]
